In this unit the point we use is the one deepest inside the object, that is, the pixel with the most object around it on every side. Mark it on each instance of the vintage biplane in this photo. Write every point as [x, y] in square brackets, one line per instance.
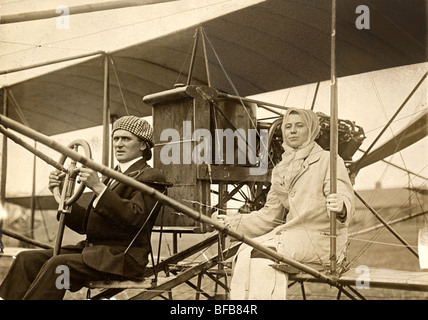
[197, 65]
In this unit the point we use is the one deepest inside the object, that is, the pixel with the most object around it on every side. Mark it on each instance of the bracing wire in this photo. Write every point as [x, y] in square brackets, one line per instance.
[376, 235]
[385, 170]
[234, 88]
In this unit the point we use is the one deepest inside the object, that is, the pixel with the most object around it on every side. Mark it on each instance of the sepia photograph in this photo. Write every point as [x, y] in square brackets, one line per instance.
[222, 153]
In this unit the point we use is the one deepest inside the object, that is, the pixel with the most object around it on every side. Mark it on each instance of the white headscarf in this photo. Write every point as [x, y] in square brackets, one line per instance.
[292, 158]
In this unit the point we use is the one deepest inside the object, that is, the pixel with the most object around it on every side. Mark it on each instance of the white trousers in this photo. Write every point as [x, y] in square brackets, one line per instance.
[255, 279]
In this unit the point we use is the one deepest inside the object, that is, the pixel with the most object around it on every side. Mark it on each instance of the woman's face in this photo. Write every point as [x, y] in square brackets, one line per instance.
[296, 131]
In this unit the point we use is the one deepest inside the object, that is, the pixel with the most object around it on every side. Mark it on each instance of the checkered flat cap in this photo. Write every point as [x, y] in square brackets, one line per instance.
[138, 126]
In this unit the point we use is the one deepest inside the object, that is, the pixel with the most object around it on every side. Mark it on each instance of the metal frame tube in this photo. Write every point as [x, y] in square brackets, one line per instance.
[20, 237]
[193, 57]
[37, 152]
[79, 9]
[106, 113]
[42, 64]
[3, 172]
[333, 137]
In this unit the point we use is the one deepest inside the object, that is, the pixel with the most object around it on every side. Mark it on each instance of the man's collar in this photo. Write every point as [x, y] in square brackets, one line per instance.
[126, 165]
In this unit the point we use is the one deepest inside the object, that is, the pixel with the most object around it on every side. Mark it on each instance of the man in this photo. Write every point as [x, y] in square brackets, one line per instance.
[110, 222]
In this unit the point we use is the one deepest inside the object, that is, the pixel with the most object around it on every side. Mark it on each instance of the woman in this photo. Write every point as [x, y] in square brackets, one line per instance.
[300, 195]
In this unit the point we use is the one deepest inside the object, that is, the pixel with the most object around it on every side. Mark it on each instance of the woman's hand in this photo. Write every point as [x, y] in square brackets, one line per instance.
[221, 218]
[334, 202]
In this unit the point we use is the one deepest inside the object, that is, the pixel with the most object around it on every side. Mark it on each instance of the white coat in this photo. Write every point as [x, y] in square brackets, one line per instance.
[305, 234]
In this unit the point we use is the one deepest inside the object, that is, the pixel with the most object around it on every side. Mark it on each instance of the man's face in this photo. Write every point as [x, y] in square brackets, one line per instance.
[127, 146]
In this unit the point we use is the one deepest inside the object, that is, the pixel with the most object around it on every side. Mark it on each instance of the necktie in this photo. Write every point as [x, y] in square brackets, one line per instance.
[113, 180]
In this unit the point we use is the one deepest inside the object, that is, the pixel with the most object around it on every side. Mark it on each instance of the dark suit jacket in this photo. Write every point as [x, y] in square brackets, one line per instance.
[114, 222]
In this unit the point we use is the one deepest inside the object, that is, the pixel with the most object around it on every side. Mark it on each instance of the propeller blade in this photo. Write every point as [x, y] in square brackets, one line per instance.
[413, 132]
